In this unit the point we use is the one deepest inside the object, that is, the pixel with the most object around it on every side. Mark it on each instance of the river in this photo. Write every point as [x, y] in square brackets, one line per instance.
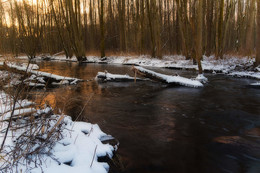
[166, 129]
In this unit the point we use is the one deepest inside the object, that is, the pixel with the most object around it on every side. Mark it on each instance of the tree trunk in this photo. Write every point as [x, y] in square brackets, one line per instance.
[101, 18]
[153, 19]
[219, 38]
[257, 60]
[199, 36]
[250, 27]
[209, 27]
[121, 11]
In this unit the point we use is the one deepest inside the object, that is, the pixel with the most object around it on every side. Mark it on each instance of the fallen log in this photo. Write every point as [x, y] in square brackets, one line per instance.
[168, 79]
[38, 78]
[255, 85]
[105, 77]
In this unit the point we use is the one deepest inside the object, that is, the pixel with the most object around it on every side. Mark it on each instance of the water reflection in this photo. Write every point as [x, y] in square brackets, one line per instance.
[160, 129]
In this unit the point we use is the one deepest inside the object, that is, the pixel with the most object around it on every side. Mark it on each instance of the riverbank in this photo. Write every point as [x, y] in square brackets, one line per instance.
[230, 65]
[35, 139]
[159, 127]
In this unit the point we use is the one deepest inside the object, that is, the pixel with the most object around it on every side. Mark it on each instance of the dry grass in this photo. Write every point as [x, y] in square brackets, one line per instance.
[33, 134]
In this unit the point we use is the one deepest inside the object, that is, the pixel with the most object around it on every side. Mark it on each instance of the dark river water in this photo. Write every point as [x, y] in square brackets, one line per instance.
[167, 129]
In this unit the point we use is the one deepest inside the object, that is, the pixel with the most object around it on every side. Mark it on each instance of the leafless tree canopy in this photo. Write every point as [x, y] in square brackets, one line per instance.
[155, 27]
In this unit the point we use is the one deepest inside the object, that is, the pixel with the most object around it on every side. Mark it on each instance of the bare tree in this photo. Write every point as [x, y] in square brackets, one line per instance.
[101, 19]
[198, 41]
[257, 60]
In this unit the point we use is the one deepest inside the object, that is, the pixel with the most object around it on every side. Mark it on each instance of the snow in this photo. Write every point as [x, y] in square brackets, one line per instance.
[75, 81]
[33, 66]
[172, 79]
[77, 149]
[4, 74]
[32, 84]
[33, 77]
[23, 66]
[11, 78]
[211, 64]
[57, 77]
[255, 84]
[255, 75]
[6, 103]
[62, 82]
[202, 78]
[105, 76]
[227, 65]
[17, 112]
[39, 74]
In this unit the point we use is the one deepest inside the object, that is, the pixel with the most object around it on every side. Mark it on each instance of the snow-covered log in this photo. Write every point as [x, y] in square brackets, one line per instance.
[255, 85]
[105, 76]
[175, 80]
[44, 77]
[248, 74]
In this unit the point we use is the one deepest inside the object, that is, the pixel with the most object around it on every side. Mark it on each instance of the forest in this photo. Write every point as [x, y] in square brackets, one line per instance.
[175, 82]
[154, 27]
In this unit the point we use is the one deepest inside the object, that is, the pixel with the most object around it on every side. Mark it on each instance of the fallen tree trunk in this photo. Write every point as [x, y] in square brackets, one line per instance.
[35, 78]
[105, 77]
[168, 79]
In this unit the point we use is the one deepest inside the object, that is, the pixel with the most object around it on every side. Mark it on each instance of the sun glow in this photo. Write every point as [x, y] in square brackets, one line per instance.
[29, 1]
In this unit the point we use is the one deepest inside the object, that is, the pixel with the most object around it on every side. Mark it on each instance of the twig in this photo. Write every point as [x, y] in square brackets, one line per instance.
[93, 156]
[76, 138]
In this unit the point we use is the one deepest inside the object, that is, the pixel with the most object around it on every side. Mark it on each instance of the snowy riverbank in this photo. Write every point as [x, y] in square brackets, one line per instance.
[230, 65]
[36, 78]
[72, 146]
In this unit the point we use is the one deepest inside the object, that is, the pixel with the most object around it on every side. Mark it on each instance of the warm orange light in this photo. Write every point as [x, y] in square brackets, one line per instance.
[29, 1]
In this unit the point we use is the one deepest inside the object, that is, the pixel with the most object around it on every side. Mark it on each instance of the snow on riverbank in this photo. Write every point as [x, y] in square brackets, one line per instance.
[228, 65]
[6, 103]
[40, 78]
[77, 148]
[255, 75]
[39, 73]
